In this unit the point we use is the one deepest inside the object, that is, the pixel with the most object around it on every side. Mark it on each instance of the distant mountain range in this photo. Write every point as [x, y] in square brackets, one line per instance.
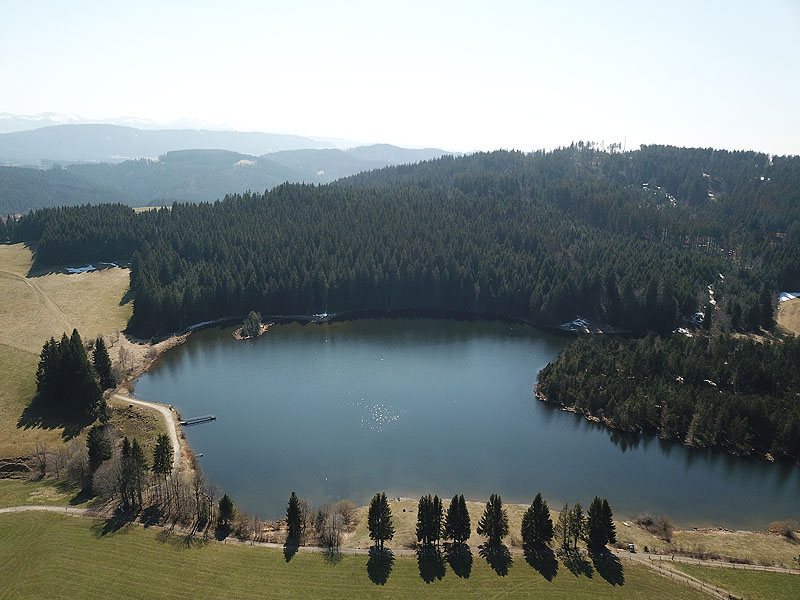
[207, 175]
[114, 143]
[189, 175]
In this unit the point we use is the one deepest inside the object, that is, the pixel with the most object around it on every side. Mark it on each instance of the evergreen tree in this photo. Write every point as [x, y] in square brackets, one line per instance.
[577, 525]
[457, 525]
[64, 377]
[437, 520]
[563, 528]
[97, 446]
[379, 519]
[595, 526]
[294, 520]
[494, 522]
[537, 526]
[766, 309]
[226, 511]
[608, 523]
[162, 457]
[424, 514]
[102, 364]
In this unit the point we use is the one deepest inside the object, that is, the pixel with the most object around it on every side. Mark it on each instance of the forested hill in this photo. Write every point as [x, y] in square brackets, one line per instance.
[544, 237]
[24, 189]
[208, 175]
[725, 392]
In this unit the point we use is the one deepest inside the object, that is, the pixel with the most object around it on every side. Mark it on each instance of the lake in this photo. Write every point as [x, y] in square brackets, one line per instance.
[414, 406]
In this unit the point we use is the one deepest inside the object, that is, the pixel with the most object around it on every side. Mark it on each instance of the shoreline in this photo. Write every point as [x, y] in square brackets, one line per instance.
[609, 424]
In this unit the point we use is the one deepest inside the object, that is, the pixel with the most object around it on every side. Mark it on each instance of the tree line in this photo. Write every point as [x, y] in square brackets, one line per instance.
[727, 392]
[631, 239]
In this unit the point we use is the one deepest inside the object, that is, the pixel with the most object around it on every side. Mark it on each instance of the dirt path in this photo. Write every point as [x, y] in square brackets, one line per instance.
[662, 559]
[169, 417]
[37, 289]
[663, 568]
[69, 510]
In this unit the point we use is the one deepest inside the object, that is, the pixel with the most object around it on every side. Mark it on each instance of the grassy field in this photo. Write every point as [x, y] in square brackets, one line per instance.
[789, 316]
[14, 492]
[134, 562]
[35, 308]
[750, 585]
[31, 310]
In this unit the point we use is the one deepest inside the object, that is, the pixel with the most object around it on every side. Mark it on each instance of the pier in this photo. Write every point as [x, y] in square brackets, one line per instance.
[198, 420]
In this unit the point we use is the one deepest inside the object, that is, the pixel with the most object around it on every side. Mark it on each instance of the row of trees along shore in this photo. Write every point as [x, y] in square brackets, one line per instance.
[632, 239]
[727, 392]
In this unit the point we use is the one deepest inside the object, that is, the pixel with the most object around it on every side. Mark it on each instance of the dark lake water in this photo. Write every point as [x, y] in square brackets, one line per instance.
[432, 406]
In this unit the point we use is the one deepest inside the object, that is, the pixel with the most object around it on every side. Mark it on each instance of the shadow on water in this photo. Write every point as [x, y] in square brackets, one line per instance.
[497, 556]
[38, 414]
[289, 550]
[431, 563]
[542, 559]
[608, 565]
[379, 565]
[577, 564]
[459, 557]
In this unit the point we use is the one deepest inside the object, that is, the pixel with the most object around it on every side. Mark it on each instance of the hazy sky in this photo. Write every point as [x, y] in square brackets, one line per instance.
[456, 75]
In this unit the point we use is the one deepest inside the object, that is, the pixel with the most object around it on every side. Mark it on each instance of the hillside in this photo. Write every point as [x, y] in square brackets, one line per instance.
[644, 241]
[208, 175]
[23, 189]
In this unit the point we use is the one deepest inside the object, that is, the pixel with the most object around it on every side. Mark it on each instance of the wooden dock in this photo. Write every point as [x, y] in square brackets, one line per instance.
[198, 420]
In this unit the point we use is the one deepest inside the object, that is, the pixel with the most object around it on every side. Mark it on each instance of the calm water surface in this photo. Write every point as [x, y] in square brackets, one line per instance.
[431, 406]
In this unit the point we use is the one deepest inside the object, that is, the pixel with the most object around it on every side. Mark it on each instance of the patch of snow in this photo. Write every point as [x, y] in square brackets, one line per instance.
[244, 163]
[320, 173]
[86, 269]
[683, 331]
[709, 382]
[788, 296]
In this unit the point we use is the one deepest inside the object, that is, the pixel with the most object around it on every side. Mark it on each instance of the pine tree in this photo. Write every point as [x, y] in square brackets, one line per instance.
[563, 529]
[379, 519]
[294, 520]
[595, 525]
[767, 309]
[97, 446]
[226, 511]
[424, 513]
[537, 526]
[102, 364]
[457, 525]
[494, 522]
[608, 523]
[437, 527]
[577, 525]
[162, 457]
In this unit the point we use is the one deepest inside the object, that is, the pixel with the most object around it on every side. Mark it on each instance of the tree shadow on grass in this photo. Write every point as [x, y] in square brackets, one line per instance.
[151, 516]
[379, 565]
[542, 558]
[609, 567]
[497, 556]
[112, 525]
[222, 532]
[459, 557]
[430, 562]
[39, 415]
[576, 564]
[289, 550]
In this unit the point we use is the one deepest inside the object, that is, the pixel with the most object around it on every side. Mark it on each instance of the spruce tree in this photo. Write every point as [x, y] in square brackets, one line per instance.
[97, 446]
[577, 525]
[102, 364]
[608, 523]
[595, 525]
[162, 457]
[457, 525]
[537, 526]
[424, 514]
[294, 520]
[437, 527]
[494, 522]
[379, 519]
[226, 511]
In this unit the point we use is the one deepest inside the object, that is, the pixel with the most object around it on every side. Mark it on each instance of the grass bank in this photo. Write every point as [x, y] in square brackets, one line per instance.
[749, 585]
[134, 562]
